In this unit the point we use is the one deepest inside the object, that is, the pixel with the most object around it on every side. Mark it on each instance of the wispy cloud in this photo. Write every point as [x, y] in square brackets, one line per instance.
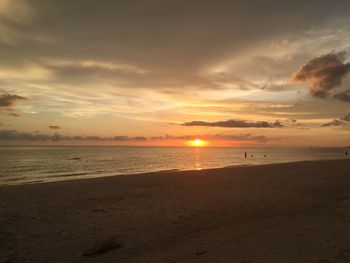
[18, 11]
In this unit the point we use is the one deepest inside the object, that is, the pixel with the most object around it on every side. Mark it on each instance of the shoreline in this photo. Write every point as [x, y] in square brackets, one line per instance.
[96, 176]
[289, 212]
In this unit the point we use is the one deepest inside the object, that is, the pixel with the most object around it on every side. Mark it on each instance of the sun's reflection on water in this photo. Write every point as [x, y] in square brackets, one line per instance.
[197, 159]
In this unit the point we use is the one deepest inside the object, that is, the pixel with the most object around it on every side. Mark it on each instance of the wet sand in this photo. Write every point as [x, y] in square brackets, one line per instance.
[295, 212]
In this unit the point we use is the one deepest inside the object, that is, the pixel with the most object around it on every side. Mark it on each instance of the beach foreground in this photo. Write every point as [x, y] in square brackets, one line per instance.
[294, 212]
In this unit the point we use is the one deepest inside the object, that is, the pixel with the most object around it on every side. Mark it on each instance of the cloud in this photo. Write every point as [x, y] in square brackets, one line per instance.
[159, 47]
[126, 138]
[92, 64]
[18, 11]
[13, 135]
[54, 127]
[145, 37]
[244, 137]
[8, 100]
[154, 40]
[343, 96]
[235, 124]
[346, 117]
[324, 73]
[218, 137]
[333, 123]
[15, 114]
[10, 135]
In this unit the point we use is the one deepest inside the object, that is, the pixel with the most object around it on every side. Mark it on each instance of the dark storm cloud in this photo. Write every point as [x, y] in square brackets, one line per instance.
[54, 127]
[235, 124]
[9, 100]
[324, 73]
[343, 96]
[333, 123]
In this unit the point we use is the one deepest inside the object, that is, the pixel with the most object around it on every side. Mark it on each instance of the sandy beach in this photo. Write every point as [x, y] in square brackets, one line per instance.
[293, 212]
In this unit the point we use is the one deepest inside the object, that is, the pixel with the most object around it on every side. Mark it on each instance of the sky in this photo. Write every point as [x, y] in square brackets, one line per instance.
[161, 73]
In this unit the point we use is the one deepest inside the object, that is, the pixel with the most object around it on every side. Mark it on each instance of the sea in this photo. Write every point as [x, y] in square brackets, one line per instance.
[22, 165]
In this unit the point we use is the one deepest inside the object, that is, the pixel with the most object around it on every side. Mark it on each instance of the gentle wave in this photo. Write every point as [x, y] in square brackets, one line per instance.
[46, 164]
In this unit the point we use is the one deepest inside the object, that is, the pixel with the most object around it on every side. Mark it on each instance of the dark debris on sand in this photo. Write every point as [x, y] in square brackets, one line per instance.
[102, 247]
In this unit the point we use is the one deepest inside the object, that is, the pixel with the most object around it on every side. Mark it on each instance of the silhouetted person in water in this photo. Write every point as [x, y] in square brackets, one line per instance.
[245, 155]
[252, 155]
[346, 153]
[264, 155]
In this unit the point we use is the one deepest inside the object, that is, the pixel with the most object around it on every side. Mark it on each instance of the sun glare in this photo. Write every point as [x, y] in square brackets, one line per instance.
[197, 143]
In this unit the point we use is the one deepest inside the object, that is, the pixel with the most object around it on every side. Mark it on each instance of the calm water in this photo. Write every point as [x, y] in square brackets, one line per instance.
[42, 164]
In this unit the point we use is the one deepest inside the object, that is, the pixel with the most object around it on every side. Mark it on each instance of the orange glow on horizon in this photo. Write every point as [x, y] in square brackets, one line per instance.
[197, 143]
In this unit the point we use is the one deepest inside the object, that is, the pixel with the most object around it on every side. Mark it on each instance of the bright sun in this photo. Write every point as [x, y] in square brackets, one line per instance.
[197, 143]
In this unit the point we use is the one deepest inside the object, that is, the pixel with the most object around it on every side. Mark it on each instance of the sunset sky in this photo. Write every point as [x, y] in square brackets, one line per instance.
[232, 73]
